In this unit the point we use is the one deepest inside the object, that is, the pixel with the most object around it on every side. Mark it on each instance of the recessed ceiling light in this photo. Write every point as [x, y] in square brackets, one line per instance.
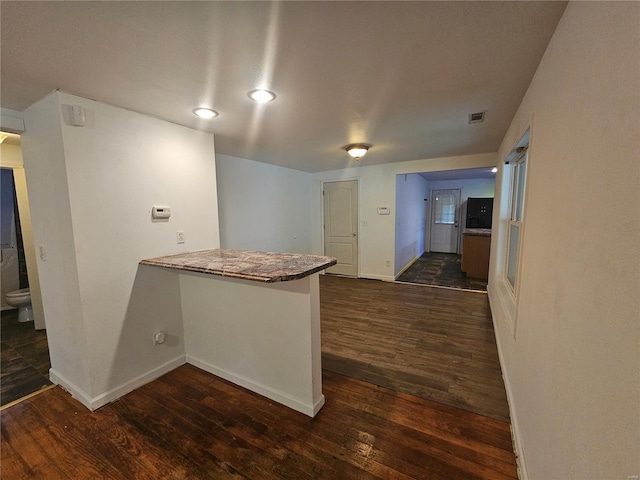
[205, 113]
[261, 96]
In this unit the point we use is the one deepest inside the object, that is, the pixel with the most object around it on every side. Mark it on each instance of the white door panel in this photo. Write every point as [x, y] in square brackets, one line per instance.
[341, 226]
[445, 212]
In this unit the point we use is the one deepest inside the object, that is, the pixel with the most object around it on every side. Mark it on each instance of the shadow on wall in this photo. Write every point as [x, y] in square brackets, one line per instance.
[154, 306]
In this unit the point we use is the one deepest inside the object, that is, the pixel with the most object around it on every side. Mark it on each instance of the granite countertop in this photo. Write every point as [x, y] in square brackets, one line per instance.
[249, 265]
[477, 232]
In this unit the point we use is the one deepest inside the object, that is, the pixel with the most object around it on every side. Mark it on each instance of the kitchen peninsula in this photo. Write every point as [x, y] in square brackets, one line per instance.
[253, 318]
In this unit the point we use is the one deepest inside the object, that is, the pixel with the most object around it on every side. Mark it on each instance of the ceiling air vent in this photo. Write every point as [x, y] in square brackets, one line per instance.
[476, 117]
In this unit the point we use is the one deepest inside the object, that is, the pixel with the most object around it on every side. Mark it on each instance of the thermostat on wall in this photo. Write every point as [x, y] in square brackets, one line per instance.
[384, 211]
[161, 212]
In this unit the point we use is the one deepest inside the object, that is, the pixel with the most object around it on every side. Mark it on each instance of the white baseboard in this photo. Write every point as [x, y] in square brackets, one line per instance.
[73, 389]
[309, 409]
[384, 278]
[407, 265]
[515, 429]
[108, 397]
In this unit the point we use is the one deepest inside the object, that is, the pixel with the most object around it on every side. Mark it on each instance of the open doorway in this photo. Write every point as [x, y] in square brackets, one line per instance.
[24, 350]
[439, 263]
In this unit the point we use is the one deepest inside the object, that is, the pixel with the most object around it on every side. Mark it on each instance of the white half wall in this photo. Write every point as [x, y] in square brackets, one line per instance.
[411, 215]
[91, 190]
[270, 344]
[377, 183]
[571, 355]
[263, 207]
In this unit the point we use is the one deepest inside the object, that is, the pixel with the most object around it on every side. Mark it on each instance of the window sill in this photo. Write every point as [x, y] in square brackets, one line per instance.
[503, 299]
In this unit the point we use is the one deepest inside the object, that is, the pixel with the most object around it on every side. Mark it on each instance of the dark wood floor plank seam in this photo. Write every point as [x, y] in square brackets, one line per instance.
[413, 438]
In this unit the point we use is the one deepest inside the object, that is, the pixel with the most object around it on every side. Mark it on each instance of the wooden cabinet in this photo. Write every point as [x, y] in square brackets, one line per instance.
[475, 255]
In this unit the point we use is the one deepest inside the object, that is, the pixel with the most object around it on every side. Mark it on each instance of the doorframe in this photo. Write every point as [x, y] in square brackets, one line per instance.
[12, 122]
[458, 216]
[346, 179]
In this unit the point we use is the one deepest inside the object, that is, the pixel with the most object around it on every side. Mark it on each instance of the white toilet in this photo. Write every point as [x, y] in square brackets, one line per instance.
[21, 299]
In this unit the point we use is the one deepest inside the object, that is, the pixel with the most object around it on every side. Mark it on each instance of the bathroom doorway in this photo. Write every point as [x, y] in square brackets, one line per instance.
[24, 362]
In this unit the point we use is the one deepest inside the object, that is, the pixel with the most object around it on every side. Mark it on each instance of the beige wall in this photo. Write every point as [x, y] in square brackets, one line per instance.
[570, 355]
[377, 188]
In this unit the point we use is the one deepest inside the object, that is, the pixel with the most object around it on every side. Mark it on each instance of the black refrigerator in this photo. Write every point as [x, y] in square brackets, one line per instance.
[479, 212]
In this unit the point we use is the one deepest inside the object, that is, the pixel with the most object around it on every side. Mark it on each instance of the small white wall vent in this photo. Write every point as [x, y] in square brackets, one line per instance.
[476, 117]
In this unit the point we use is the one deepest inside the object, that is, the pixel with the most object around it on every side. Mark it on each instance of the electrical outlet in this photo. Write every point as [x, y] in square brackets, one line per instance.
[159, 337]
[180, 236]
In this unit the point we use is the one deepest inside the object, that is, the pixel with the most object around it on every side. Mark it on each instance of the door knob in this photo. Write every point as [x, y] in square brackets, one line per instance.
[354, 234]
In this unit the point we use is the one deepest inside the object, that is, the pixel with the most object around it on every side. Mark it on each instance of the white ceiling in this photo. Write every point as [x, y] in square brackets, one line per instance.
[402, 76]
[466, 174]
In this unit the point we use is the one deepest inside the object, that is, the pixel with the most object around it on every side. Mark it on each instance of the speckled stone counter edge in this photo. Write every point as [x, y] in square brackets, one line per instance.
[477, 232]
[267, 267]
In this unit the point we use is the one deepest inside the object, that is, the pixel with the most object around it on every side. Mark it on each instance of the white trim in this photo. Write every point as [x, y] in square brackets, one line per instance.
[407, 265]
[371, 276]
[115, 393]
[277, 396]
[73, 389]
[11, 121]
[516, 435]
[506, 301]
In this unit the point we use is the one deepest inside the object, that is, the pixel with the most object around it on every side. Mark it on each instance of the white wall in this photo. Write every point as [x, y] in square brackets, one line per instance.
[571, 354]
[469, 187]
[91, 192]
[263, 207]
[11, 121]
[261, 336]
[377, 184]
[411, 213]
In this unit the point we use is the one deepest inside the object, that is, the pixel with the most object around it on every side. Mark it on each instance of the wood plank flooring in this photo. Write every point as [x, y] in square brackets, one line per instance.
[434, 343]
[24, 358]
[424, 363]
[192, 425]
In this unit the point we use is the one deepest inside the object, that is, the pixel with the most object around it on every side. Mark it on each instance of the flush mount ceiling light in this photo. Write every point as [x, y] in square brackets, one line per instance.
[494, 170]
[357, 150]
[3, 137]
[261, 96]
[205, 113]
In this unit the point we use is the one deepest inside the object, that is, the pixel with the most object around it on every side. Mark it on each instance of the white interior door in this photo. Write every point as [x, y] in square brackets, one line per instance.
[444, 220]
[341, 226]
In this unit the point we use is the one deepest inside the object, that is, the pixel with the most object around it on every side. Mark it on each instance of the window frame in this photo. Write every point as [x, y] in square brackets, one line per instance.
[517, 185]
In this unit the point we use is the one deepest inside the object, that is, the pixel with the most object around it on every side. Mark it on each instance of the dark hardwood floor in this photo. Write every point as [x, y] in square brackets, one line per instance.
[443, 270]
[191, 425]
[434, 343]
[188, 424]
[24, 358]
